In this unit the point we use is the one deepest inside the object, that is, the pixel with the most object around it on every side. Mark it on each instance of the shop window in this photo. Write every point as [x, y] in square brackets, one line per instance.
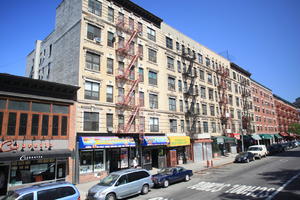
[55, 125]
[64, 126]
[22, 125]
[86, 162]
[61, 169]
[45, 125]
[40, 107]
[60, 109]
[23, 172]
[2, 103]
[91, 121]
[99, 164]
[147, 157]
[1, 120]
[11, 127]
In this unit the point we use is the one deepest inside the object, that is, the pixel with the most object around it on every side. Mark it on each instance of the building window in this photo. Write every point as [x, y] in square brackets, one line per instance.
[91, 121]
[214, 127]
[169, 43]
[181, 105]
[182, 125]
[201, 74]
[110, 14]
[152, 78]
[109, 121]
[45, 125]
[212, 110]
[209, 78]
[151, 34]
[173, 125]
[198, 108]
[234, 75]
[179, 66]
[11, 126]
[140, 28]
[172, 104]
[239, 115]
[91, 90]
[92, 61]
[210, 94]
[237, 101]
[154, 124]
[110, 66]
[152, 55]
[205, 127]
[200, 58]
[140, 50]
[180, 85]
[204, 109]
[109, 94]
[64, 126]
[1, 120]
[94, 33]
[153, 101]
[171, 83]
[207, 62]
[142, 98]
[131, 24]
[170, 63]
[55, 122]
[202, 92]
[95, 7]
[110, 39]
[141, 74]
[230, 99]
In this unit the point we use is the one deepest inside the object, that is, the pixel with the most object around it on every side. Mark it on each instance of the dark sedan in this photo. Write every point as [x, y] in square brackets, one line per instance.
[276, 148]
[170, 175]
[244, 157]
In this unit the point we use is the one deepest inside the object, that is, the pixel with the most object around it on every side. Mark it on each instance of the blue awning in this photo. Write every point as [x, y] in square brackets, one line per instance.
[155, 140]
[105, 142]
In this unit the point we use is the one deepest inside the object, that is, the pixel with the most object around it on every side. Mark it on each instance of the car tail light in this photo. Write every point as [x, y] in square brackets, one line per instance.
[78, 198]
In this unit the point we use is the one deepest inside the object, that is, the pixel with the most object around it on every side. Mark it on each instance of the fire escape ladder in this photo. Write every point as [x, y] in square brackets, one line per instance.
[132, 63]
[130, 93]
[131, 119]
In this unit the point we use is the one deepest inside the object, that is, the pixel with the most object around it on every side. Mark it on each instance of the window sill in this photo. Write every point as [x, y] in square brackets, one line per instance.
[151, 62]
[91, 70]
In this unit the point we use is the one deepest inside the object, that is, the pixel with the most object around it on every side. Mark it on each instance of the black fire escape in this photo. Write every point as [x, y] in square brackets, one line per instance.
[190, 92]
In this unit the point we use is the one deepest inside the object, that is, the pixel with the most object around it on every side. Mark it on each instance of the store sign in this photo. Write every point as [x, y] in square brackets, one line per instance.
[105, 142]
[31, 157]
[7, 146]
[179, 141]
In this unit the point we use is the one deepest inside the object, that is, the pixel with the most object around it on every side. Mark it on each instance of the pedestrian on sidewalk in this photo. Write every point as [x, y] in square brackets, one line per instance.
[135, 162]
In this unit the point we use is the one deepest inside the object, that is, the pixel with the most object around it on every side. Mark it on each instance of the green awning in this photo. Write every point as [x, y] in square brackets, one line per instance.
[266, 136]
[229, 139]
[277, 136]
[256, 137]
[224, 139]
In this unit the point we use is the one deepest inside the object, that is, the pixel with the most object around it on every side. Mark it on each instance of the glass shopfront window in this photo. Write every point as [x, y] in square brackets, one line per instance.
[23, 172]
[92, 161]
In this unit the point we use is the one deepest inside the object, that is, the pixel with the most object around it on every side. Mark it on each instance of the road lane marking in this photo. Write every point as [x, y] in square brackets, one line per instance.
[282, 187]
[245, 190]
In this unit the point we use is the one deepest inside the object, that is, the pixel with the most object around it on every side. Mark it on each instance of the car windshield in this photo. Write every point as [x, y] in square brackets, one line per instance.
[11, 196]
[254, 149]
[109, 180]
[243, 154]
[166, 171]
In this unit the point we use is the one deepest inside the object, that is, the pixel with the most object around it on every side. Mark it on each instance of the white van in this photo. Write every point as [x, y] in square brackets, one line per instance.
[259, 151]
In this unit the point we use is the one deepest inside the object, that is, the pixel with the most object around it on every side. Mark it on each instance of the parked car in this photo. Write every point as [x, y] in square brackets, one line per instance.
[259, 151]
[170, 175]
[276, 148]
[121, 184]
[244, 157]
[295, 144]
[46, 191]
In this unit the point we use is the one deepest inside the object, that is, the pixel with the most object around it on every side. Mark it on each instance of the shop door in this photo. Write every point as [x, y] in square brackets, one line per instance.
[198, 153]
[3, 179]
[172, 158]
[154, 155]
[114, 158]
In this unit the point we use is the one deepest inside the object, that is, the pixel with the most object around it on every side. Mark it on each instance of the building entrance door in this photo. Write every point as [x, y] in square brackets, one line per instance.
[154, 155]
[114, 158]
[3, 179]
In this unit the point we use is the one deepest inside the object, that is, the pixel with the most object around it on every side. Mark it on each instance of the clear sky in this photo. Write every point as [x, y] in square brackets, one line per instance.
[262, 36]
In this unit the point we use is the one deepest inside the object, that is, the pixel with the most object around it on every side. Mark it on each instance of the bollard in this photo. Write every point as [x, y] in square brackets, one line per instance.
[211, 163]
[208, 163]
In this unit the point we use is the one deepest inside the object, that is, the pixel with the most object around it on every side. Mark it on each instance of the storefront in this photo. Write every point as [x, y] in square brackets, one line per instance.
[99, 155]
[223, 145]
[277, 138]
[179, 150]
[154, 151]
[267, 139]
[21, 168]
[202, 150]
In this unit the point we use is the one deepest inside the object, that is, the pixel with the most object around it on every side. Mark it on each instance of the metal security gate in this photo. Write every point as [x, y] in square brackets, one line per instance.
[198, 152]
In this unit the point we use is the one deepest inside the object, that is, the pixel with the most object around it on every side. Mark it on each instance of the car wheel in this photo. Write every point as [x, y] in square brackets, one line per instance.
[187, 177]
[110, 196]
[166, 184]
[145, 189]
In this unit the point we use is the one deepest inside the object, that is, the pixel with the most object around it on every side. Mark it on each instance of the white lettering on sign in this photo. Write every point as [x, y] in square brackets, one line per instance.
[24, 157]
[246, 190]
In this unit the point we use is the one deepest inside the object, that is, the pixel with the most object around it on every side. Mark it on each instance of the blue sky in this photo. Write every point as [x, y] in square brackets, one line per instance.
[262, 36]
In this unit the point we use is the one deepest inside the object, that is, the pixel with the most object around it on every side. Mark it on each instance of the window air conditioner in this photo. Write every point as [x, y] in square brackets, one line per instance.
[97, 39]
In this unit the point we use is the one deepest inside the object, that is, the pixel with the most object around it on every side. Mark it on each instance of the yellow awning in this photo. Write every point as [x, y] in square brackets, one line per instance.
[179, 141]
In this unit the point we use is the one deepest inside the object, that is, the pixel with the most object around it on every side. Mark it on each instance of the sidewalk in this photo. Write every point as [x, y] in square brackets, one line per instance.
[196, 167]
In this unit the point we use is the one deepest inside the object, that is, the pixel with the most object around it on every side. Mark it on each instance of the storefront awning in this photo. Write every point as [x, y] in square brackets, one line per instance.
[266, 136]
[224, 139]
[235, 135]
[155, 140]
[34, 155]
[179, 141]
[284, 134]
[256, 137]
[277, 136]
[105, 142]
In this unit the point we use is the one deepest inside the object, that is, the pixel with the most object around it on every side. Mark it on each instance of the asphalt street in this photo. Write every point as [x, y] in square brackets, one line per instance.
[275, 177]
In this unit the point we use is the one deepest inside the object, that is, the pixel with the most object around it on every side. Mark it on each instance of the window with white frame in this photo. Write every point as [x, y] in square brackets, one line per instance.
[91, 121]
[154, 124]
[152, 76]
[171, 83]
[151, 34]
[152, 55]
[92, 61]
[170, 63]
[91, 90]
[153, 101]
[109, 93]
[172, 104]
[205, 127]
[110, 14]
[93, 32]
[173, 125]
[95, 7]
[169, 43]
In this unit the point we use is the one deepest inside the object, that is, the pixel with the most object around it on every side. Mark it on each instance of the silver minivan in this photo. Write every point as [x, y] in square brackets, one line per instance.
[121, 184]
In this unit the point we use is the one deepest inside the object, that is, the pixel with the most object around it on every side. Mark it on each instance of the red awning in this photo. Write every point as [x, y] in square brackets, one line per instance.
[284, 134]
[235, 135]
